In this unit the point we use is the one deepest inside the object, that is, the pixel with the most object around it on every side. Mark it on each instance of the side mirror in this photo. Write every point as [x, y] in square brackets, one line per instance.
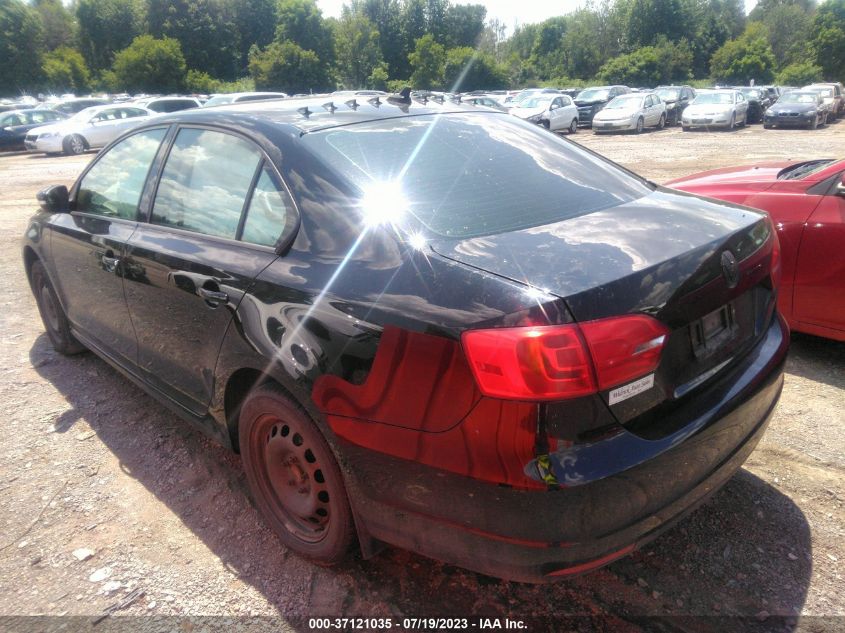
[54, 199]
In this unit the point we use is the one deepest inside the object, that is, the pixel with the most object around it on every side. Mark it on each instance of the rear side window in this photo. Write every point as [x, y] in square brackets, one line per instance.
[466, 175]
[268, 212]
[113, 186]
[205, 182]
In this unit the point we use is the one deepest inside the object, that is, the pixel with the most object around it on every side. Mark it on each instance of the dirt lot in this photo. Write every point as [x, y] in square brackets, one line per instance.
[90, 462]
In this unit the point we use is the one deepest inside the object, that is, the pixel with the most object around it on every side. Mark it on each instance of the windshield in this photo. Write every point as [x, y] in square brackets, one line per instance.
[800, 170]
[668, 94]
[751, 93]
[625, 103]
[467, 175]
[825, 92]
[799, 97]
[714, 97]
[593, 94]
[535, 102]
[221, 100]
[84, 115]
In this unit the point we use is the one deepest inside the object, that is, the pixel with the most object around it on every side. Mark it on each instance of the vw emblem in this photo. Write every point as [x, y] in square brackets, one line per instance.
[730, 269]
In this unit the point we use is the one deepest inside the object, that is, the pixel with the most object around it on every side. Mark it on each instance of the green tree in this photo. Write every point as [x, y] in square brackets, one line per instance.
[464, 24]
[745, 58]
[829, 38]
[65, 71]
[582, 50]
[386, 16]
[59, 23]
[467, 69]
[650, 65]
[378, 78]
[288, 67]
[150, 65]
[199, 82]
[301, 22]
[789, 30]
[21, 47]
[205, 29]
[107, 26]
[650, 18]
[256, 24]
[548, 56]
[799, 74]
[427, 62]
[357, 49]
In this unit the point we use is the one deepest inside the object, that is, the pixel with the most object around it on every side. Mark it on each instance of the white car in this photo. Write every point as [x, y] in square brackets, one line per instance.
[634, 111]
[167, 104]
[554, 112]
[238, 97]
[89, 129]
[716, 108]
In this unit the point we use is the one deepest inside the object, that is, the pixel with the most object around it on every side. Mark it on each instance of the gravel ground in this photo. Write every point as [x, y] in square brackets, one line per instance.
[103, 491]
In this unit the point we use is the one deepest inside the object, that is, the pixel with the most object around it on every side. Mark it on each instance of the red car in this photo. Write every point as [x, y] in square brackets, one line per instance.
[806, 201]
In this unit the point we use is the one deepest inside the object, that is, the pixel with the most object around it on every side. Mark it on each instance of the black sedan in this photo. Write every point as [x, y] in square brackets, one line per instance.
[428, 325]
[758, 102]
[14, 125]
[798, 108]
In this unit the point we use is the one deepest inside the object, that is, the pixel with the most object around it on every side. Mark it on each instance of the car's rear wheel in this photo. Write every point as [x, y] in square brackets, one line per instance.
[52, 315]
[662, 122]
[573, 127]
[73, 145]
[294, 477]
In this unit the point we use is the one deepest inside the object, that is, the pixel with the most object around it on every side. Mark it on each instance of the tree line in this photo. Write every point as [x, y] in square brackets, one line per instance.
[207, 46]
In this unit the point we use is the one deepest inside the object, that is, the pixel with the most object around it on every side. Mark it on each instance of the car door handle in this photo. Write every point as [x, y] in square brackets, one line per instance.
[110, 263]
[213, 297]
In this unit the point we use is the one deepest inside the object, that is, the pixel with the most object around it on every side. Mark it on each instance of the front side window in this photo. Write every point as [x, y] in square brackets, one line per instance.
[113, 186]
[205, 182]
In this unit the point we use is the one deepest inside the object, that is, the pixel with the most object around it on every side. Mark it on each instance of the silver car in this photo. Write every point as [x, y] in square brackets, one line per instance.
[554, 112]
[634, 111]
[89, 129]
[716, 108]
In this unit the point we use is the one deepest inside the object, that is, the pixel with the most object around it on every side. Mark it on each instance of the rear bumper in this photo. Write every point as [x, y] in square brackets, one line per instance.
[538, 536]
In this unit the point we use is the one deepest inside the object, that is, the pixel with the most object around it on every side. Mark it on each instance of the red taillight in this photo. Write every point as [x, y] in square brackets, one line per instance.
[557, 362]
[776, 265]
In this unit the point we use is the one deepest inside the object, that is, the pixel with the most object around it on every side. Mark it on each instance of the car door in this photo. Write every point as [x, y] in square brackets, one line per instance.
[556, 114]
[100, 127]
[652, 110]
[124, 119]
[87, 245]
[196, 257]
[819, 292]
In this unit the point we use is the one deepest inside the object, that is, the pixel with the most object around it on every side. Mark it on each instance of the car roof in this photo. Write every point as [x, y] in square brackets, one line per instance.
[309, 115]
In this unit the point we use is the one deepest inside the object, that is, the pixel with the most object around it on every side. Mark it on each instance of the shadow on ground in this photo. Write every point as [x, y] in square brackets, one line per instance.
[747, 552]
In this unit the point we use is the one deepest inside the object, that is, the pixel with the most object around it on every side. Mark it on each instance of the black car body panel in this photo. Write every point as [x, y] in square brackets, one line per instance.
[12, 135]
[364, 329]
[589, 106]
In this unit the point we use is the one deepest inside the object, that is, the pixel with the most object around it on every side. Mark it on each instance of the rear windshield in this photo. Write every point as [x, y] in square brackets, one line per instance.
[467, 175]
[714, 97]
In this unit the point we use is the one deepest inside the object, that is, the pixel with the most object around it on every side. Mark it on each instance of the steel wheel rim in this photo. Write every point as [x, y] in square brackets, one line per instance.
[291, 476]
[48, 305]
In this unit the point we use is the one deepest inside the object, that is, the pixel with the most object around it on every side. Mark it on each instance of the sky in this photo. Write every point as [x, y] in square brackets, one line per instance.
[509, 12]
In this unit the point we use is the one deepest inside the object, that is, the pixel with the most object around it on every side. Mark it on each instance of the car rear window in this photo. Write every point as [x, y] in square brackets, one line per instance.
[467, 175]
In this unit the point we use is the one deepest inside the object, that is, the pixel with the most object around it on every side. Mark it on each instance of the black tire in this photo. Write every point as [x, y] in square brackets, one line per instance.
[662, 122]
[74, 145]
[640, 125]
[573, 127]
[546, 124]
[767, 126]
[684, 128]
[294, 477]
[52, 315]
[732, 124]
[814, 125]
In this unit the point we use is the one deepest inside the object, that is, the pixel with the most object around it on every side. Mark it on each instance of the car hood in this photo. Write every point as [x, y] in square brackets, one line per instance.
[524, 113]
[617, 113]
[793, 107]
[763, 173]
[655, 242]
[43, 129]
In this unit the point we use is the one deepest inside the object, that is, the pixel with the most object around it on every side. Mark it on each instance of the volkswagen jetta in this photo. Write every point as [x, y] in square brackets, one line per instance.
[428, 325]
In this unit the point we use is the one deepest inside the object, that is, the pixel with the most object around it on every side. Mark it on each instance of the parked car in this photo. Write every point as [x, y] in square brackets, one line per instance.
[631, 112]
[716, 108]
[486, 101]
[69, 107]
[833, 96]
[553, 112]
[15, 124]
[676, 98]
[89, 129]
[799, 108]
[168, 104]
[9, 107]
[591, 100]
[758, 101]
[238, 97]
[516, 356]
[806, 201]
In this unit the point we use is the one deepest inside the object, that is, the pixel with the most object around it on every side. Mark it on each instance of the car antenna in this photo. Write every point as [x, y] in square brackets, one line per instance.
[329, 105]
[304, 111]
[438, 98]
[374, 101]
[352, 103]
[403, 97]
